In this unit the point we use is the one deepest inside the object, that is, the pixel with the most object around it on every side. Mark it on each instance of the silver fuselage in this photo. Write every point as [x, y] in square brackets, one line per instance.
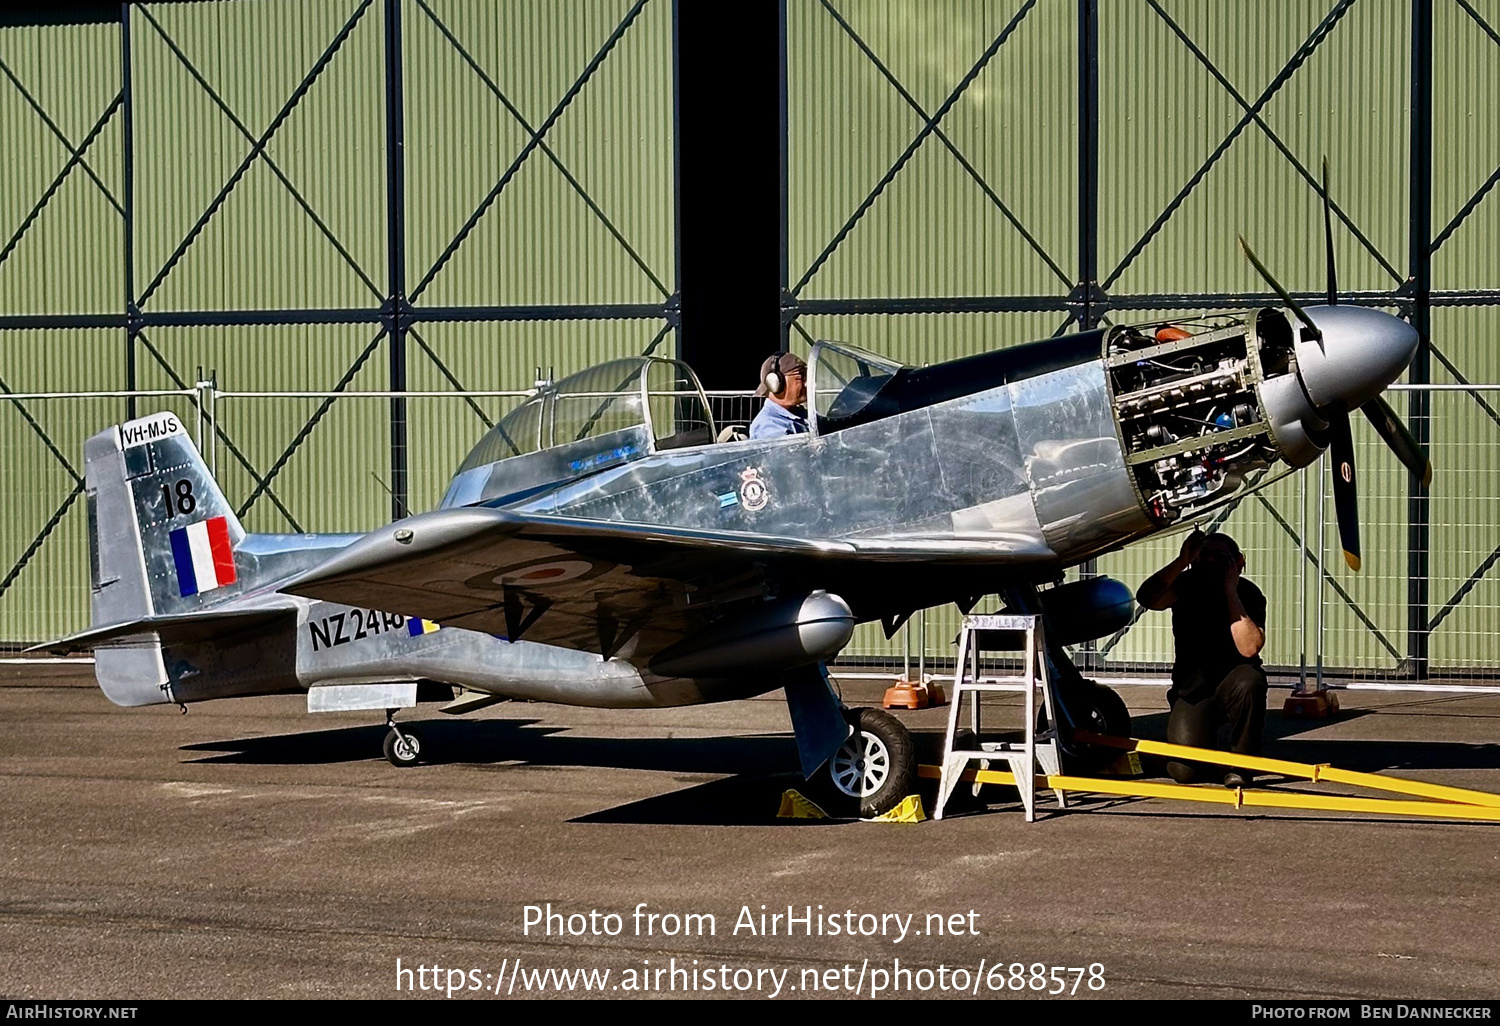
[1029, 475]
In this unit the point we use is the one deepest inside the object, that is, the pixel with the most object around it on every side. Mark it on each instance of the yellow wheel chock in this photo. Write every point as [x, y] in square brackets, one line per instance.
[1442, 802]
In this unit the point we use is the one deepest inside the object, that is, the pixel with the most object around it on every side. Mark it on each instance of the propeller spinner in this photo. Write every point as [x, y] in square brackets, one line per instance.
[1346, 356]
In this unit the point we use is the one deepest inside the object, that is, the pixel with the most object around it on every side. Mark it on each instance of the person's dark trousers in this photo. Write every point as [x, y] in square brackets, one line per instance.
[1239, 700]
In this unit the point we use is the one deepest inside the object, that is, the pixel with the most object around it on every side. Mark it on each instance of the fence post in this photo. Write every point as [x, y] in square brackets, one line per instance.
[1302, 581]
[396, 307]
[1322, 566]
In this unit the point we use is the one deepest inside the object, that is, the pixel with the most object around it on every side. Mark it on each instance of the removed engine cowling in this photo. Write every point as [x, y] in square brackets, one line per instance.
[778, 635]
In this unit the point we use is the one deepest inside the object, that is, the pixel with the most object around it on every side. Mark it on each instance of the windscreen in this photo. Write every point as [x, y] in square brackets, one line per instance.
[847, 380]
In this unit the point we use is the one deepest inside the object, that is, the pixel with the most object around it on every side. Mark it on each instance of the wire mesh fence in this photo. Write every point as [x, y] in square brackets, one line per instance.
[323, 461]
[44, 557]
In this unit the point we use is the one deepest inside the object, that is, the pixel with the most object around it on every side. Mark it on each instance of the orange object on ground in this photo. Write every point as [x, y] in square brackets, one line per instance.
[906, 694]
[1315, 705]
[911, 694]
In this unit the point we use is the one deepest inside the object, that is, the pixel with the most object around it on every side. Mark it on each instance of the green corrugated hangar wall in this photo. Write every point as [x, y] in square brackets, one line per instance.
[352, 196]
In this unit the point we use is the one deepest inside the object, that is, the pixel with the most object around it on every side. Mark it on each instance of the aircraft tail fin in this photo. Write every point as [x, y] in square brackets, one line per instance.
[161, 534]
[162, 541]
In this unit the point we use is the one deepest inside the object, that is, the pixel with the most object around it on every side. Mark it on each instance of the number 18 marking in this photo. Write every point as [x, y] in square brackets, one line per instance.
[184, 502]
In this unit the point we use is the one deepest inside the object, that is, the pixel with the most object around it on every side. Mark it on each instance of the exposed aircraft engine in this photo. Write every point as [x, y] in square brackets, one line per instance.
[1202, 404]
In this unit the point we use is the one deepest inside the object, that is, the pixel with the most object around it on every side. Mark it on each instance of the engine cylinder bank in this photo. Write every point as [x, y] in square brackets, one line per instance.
[1204, 404]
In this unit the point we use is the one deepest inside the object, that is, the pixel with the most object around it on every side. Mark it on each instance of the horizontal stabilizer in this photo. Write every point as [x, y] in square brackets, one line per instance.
[212, 624]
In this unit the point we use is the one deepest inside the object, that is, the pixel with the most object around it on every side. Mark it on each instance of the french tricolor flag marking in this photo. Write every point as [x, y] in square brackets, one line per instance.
[203, 556]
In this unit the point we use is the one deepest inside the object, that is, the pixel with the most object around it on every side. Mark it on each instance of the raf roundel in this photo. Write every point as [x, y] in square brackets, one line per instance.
[552, 572]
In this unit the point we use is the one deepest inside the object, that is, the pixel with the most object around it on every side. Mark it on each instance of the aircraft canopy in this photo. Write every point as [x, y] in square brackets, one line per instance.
[645, 402]
[846, 384]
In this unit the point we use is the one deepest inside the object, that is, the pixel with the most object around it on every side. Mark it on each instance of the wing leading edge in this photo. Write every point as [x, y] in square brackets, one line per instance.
[626, 589]
[598, 586]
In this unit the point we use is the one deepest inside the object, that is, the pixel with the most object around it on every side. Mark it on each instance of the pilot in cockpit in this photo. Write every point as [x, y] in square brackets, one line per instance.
[783, 382]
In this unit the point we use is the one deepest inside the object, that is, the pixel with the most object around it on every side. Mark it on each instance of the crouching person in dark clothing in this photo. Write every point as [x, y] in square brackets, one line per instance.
[1219, 628]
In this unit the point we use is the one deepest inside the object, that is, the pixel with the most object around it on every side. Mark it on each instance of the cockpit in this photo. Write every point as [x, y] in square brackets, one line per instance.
[630, 408]
[601, 417]
[847, 385]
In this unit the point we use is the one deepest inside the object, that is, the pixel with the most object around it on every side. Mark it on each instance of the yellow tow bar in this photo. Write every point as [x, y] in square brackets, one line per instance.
[1443, 802]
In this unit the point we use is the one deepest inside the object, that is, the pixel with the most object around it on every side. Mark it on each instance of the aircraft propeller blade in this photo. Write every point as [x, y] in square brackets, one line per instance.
[1397, 436]
[1400, 439]
[1309, 329]
[1345, 500]
[1333, 276]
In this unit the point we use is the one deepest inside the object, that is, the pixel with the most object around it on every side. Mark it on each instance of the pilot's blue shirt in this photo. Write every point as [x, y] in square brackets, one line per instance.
[775, 420]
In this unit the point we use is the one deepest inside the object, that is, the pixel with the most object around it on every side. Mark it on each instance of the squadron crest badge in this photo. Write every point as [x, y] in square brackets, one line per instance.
[754, 495]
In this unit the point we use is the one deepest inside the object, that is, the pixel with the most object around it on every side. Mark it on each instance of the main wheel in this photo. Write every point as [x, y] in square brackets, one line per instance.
[404, 749]
[1105, 712]
[1099, 710]
[874, 769]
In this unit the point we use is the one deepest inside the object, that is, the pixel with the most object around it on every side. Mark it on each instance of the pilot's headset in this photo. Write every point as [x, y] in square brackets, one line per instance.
[775, 381]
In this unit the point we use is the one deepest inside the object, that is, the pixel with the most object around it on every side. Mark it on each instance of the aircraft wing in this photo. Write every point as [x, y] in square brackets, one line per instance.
[611, 588]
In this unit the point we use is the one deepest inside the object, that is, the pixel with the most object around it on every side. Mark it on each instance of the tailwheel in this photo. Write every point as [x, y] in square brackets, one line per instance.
[874, 769]
[403, 747]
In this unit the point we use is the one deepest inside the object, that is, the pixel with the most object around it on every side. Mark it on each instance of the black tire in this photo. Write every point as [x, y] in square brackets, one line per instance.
[872, 771]
[1107, 713]
[1099, 710]
[399, 752]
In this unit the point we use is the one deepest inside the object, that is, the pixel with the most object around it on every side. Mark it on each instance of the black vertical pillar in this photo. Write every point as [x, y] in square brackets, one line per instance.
[1088, 162]
[395, 312]
[1088, 207]
[1419, 266]
[729, 187]
[674, 302]
[132, 312]
[783, 216]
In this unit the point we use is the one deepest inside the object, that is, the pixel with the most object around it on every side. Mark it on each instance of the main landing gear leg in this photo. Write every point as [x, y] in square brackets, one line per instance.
[402, 747]
[1081, 704]
[862, 759]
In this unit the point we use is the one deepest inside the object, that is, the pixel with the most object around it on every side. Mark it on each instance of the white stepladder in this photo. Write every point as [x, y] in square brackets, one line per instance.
[1025, 757]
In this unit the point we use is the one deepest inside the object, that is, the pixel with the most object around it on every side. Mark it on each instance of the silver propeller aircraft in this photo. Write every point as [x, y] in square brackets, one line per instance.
[598, 547]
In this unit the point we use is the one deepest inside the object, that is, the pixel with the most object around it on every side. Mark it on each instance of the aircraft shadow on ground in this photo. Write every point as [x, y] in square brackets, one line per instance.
[757, 768]
[480, 742]
[757, 765]
[1153, 726]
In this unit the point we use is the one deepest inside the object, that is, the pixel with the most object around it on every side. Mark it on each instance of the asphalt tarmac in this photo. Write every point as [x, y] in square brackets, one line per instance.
[248, 850]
